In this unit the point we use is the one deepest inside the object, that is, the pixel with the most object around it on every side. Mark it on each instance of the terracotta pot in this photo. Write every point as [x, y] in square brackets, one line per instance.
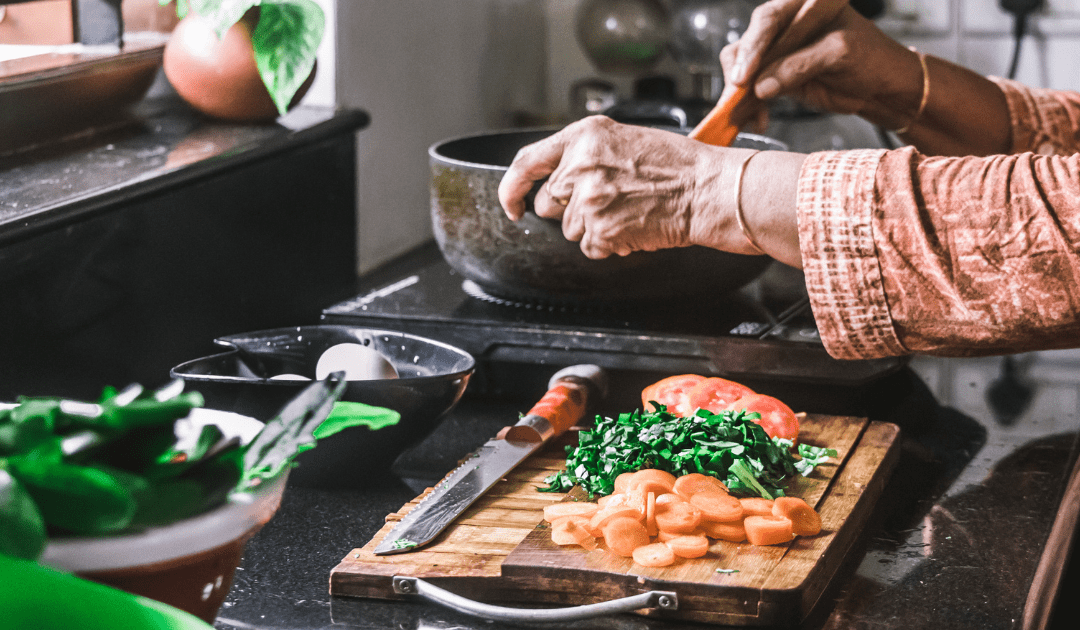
[219, 77]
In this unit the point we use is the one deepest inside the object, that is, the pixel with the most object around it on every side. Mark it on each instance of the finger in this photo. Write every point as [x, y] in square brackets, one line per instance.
[792, 72]
[593, 248]
[766, 23]
[548, 204]
[807, 25]
[573, 225]
[530, 165]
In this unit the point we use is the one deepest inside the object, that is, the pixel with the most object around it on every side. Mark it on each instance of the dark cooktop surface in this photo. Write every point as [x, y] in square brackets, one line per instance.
[765, 329]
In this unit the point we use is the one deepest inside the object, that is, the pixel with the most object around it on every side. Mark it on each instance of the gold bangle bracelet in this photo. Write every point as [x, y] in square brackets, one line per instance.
[925, 94]
[739, 209]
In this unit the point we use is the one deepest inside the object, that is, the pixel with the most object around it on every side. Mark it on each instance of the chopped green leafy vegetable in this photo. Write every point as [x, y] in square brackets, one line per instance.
[125, 463]
[726, 445]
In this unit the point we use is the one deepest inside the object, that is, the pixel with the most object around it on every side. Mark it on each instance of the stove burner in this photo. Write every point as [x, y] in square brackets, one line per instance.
[476, 291]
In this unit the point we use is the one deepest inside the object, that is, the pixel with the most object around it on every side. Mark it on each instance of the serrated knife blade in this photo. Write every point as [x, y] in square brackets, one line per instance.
[569, 391]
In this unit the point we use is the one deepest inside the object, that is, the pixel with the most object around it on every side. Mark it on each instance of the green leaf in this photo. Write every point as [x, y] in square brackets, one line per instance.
[286, 41]
[22, 530]
[80, 499]
[347, 414]
[289, 433]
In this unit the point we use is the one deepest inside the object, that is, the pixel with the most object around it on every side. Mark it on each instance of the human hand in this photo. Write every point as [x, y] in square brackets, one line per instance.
[623, 188]
[826, 55]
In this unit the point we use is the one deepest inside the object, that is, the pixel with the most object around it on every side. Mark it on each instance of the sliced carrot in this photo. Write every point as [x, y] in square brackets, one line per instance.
[668, 498]
[805, 521]
[662, 536]
[569, 508]
[717, 506]
[654, 555]
[622, 480]
[768, 530]
[571, 530]
[602, 516]
[611, 500]
[650, 514]
[646, 485]
[677, 518]
[689, 546]
[624, 534]
[731, 532]
[759, 506]
[656, 475]
[688, 485]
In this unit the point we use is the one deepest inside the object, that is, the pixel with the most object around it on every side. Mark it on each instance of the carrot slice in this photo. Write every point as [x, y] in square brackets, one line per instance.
[624, 534]
[677, 518]
[650, 514]
[689, 546]
[622, 480]
[768, 530]
[569, 508]
[756, 506]
[734, 531]
[668, 498]
[655, 475]
[654, 555]
[571, 530]
[689, 485]
[602, 516]
[611, 500]
[805, 521]
[662, 536]
[717, 506]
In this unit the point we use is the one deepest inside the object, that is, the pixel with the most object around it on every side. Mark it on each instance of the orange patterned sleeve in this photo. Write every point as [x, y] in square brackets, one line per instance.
[905, 253]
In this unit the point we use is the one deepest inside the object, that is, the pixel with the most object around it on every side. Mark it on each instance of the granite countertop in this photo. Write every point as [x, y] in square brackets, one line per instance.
[956, 541]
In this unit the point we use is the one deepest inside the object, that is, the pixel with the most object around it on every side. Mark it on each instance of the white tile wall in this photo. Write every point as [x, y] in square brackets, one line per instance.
[977, 34]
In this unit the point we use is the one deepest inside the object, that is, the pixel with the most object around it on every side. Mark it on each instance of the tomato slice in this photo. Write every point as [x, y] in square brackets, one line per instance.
[715, 394]
[777, 419]
[671, 392]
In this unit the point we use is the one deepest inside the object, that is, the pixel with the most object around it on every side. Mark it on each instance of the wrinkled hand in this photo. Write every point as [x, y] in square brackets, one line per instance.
[617, 188]
[841, 62]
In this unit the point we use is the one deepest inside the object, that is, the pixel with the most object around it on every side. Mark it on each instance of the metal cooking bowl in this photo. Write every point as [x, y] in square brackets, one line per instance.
[532, 260]
[432, 378]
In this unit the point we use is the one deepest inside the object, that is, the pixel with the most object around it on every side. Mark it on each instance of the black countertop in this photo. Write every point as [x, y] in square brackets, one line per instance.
[158, 145]
[956, 541]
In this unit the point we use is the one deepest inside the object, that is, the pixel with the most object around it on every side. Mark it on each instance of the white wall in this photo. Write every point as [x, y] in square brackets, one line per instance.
[977, 34]
[427, 70]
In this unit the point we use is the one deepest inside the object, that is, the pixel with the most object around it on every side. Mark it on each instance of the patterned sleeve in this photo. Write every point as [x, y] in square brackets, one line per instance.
[905, 253]
[1043, 121]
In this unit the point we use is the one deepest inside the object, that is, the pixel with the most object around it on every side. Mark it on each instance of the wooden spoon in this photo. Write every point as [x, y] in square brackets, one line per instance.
[716, 128]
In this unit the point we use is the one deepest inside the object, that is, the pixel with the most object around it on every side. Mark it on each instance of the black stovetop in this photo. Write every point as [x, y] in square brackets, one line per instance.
[764, 330]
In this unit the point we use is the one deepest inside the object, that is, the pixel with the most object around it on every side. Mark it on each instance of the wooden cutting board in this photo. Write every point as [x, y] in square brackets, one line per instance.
[500, 550]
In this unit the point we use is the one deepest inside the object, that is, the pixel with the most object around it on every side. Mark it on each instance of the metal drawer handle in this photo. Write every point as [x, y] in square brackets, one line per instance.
[664, 600]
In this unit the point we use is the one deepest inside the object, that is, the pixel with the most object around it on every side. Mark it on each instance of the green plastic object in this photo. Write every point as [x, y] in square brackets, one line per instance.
[48, 599]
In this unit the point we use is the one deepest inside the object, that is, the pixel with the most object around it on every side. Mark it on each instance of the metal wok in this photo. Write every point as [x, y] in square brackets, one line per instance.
[531, 259]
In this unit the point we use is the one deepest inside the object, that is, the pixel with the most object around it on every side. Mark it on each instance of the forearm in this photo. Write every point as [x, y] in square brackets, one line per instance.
[965, 113]
[952, 256]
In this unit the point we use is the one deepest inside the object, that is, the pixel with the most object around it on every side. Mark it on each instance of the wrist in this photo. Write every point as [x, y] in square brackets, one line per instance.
[903, 95]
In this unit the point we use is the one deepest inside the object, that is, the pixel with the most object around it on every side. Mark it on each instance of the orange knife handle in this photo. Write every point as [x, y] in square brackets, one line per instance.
[563, 405]
[569, 393]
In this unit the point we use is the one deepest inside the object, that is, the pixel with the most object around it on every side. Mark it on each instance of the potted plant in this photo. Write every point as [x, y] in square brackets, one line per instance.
[243, 60]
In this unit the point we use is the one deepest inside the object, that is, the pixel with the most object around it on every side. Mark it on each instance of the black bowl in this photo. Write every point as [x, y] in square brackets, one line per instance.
[432, 378]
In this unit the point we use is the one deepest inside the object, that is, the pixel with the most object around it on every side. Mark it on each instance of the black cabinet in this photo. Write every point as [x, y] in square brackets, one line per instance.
[127, 252]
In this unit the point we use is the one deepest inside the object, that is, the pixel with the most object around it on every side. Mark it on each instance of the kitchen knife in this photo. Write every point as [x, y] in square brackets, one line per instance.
[569, 392]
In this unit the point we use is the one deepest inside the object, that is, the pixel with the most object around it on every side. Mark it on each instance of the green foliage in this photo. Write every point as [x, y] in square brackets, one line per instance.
[728, 445]
[286, 38]
[119, 465]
